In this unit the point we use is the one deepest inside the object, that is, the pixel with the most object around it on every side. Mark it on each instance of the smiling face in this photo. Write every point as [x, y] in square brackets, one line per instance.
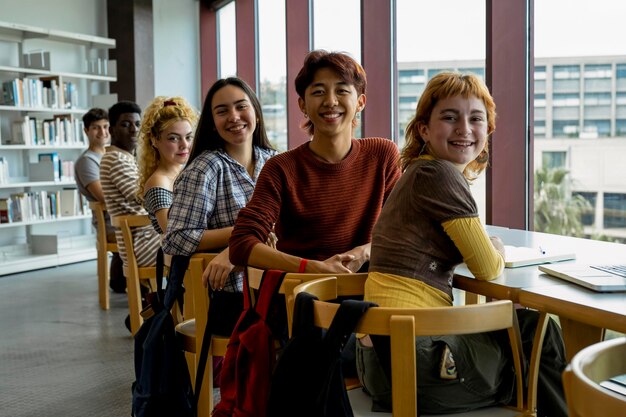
[125, 132]
[457, 130]
[98, 133]
[234, 116]
[331, 104]
[174, 143]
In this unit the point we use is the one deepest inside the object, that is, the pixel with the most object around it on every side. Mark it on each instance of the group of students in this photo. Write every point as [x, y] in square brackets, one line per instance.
[213, 183]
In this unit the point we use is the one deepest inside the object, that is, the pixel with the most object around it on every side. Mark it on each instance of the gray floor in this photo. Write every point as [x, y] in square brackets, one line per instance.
[60, 354]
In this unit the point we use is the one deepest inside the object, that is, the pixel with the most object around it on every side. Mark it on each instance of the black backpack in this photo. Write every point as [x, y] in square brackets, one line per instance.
[162, 386]
[308, 379]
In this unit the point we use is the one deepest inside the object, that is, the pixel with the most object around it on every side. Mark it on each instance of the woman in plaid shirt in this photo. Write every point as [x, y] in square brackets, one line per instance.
[230, 148]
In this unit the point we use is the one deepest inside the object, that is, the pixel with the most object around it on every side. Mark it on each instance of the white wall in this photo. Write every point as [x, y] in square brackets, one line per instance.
[82, 16]
[177, 49]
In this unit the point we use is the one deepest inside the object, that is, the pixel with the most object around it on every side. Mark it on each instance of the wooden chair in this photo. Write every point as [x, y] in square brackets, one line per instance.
[191, 339]
[103, 248]
[589, 367]
[134, 273]
[403, 325]
[348, 284]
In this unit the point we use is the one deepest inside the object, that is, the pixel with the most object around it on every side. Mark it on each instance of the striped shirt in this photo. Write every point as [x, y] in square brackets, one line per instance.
[118, 176]
[208, 194]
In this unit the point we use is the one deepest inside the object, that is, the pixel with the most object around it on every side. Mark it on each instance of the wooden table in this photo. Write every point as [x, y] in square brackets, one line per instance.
[583, 313]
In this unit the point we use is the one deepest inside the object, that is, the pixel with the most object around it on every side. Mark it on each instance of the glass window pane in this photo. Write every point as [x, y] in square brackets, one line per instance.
[614, 210]
[583, 116]
[554, 159]
[337, 27]
[273, 70]
[588, 216]
[459, 46]
[227, 42]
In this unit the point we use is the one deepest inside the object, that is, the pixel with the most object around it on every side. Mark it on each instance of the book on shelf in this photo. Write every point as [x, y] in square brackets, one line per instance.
[20, 207]
[6, 210]
[38, 59]
[56, 163]
[53, 93]
[10, 95]
[69, 202]
[20, 131]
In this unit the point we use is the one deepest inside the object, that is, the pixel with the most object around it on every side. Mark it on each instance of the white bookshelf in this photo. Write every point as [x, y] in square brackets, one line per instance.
[56, 240]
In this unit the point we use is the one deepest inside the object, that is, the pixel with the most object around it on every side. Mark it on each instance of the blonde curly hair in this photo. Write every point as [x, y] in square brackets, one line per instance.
[161, 113]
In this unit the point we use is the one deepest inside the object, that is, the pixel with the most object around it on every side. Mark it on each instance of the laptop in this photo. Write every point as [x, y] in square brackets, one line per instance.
[601, 278]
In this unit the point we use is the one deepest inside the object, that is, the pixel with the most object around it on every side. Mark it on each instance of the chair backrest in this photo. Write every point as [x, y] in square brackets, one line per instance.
[403, 325]
[347, 284]
[103, 247]
[99, 209]
[132, 271]
[589, 367]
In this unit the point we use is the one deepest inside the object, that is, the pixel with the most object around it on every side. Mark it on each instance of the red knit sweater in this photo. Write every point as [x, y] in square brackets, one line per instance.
[320, 209]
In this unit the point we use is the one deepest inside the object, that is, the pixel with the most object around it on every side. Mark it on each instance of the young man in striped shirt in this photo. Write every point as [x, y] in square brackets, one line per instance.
[119, 178]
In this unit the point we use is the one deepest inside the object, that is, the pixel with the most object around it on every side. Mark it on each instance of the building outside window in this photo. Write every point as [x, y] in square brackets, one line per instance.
[554, 160]
[588, 215]
[615, 210]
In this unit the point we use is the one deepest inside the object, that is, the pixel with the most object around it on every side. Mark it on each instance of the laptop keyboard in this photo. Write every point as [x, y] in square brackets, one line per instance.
[613, 269]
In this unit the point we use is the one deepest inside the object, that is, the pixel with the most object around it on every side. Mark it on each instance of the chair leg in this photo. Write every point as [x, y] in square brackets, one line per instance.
[205, 400]
[103, 279]
[535, 358]
[134, 304]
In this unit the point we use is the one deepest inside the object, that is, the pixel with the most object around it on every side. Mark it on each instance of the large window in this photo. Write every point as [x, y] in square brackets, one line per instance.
[585, 76]
[273, 70]
[227, 41]
[336, 27]
[424, 49]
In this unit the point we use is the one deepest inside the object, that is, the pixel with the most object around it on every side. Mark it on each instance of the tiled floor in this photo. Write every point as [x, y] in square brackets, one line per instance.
[60, 355]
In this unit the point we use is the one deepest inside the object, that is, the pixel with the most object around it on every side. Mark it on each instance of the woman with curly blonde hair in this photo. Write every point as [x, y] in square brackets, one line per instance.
[165, 141]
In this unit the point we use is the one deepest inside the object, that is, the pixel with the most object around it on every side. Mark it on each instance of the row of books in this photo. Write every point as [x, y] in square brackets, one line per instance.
[42, 205]
[48, 92]
[51, 167]
[61, 130]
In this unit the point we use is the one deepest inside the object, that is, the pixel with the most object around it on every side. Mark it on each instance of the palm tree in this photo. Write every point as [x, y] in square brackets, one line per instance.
[557, 211]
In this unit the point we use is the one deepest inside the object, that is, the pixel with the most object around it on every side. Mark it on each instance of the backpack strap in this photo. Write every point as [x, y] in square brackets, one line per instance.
[203, 358]
[303, 314]
[159, 278]
[342, 326]
[175, 289]
[270, 283]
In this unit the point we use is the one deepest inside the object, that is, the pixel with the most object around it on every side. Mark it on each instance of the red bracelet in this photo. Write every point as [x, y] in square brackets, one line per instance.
[302, 265]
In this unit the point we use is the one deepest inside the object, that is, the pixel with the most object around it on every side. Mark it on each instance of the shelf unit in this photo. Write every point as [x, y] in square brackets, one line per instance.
[38, 242]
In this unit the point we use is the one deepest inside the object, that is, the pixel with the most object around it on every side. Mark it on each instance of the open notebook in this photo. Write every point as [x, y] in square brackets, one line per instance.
[516, 256]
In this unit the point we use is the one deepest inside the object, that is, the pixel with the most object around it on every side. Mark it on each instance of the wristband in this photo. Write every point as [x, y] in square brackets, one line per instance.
[303, 263]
